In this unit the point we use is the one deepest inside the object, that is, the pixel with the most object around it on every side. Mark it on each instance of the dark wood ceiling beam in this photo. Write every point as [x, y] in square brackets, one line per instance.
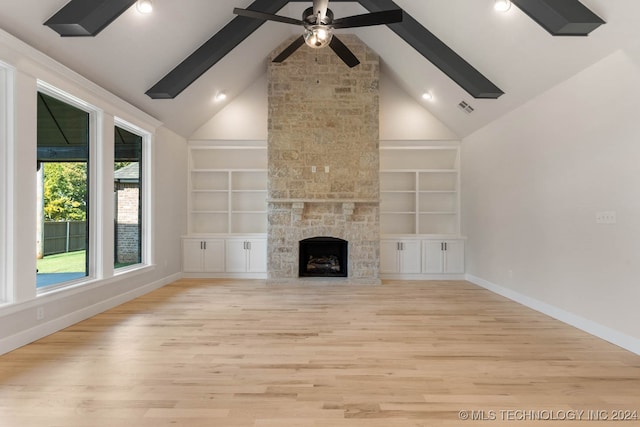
[212, 51]
[437, 52]
[561, 17]
[89, 17]
[86, 18]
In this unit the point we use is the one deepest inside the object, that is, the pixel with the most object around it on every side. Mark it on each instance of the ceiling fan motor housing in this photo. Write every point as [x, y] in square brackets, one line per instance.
[311, 19]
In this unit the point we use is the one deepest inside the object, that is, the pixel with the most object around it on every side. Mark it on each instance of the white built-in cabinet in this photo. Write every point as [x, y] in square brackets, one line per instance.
[227, 204]
[203, 255]
[246, 255]
[443, 256]
[420, 211]
[400, 256]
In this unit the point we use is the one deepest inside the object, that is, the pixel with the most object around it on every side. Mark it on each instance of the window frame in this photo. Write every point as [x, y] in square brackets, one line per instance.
[7, 138]
[95, 172]
[146, 243]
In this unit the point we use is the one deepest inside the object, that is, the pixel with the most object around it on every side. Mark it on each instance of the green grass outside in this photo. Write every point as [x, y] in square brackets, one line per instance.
[71, 262]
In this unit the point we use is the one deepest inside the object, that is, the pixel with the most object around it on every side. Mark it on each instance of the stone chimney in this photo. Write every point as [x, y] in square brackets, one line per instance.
[323, 149]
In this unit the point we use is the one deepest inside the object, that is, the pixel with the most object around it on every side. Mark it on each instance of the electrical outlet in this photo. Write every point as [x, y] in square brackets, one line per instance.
[40, 313]
[313, 169]
[326, 169]
[608, 217]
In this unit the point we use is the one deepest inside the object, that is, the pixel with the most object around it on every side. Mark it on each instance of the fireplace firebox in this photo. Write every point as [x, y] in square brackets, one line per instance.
[323, 257]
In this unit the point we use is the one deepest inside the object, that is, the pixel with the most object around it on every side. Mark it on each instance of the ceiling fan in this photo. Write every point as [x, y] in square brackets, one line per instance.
[318, 23]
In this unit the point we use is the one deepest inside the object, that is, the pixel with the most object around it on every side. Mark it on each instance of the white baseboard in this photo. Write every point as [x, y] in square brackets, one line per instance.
[611, 335]
[400, 276]
[27, 336]
[250, 276]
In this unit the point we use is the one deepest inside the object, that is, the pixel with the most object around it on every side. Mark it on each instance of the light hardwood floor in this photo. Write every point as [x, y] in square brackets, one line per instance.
[243, 353]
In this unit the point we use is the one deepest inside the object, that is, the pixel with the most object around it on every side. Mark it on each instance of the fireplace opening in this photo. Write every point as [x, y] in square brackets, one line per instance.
[323, 257]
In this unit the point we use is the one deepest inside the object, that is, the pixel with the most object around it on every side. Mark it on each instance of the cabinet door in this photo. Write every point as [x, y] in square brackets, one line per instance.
[236, 256]
[192, 255]
[454, 256]
[433, 256]
[389, 256]
[257, 256]
[410, 259]
[213, 255]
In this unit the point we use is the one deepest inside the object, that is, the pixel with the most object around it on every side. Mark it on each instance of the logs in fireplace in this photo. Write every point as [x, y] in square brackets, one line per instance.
[323, 257]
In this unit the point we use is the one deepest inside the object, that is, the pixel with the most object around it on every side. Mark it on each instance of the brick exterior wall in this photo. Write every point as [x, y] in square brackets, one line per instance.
[127, 231]
[322, 113]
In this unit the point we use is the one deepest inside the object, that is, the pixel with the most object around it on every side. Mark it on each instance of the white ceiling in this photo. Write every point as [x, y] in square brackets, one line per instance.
[136, 51]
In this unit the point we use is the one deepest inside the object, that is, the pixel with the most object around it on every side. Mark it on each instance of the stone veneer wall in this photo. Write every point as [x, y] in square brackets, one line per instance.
[324, 114]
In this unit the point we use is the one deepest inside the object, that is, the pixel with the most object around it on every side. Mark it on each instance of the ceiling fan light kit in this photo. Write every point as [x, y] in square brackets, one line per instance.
[318, 36]
[318, 26]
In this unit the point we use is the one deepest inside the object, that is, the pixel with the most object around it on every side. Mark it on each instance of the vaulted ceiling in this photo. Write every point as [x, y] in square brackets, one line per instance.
[514, 51]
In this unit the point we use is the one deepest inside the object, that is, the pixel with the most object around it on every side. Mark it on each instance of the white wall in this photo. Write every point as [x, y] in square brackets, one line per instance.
[245, 118]
[532, 184]
[401, 117]
[18, 324]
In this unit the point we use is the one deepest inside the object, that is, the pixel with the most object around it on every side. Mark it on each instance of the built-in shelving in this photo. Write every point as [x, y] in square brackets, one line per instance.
[227, 190]
[419, 190]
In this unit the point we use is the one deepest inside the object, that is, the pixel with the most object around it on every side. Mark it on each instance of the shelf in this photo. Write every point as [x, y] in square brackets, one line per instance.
[249, 181]
[209, 222]
[397, 181]
[249, 212]
[249, 222]
[437, 213]
[207, 212]
[437, 192]
[209, 181]
[392, 224]
[397, 192]
[398, 212]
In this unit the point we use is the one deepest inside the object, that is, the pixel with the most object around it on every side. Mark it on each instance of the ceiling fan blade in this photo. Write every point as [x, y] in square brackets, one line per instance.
[320, 7]
[289, 50]
[343, 52]
[368, 19]
[266, 16]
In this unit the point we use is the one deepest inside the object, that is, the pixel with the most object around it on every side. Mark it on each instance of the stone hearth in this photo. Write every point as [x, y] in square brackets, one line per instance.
[323, 149]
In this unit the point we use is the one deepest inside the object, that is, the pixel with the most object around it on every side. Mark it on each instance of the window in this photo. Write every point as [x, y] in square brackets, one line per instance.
[6, 143]
[128, 197]
[63, 140]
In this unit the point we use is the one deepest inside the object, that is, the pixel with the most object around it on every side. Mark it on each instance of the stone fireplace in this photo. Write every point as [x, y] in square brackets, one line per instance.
[323, 156]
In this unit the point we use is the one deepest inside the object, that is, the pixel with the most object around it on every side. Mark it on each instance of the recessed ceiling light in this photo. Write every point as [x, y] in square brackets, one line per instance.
[427, 96]
[220, 96]
[144, 6]
[502, 5]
